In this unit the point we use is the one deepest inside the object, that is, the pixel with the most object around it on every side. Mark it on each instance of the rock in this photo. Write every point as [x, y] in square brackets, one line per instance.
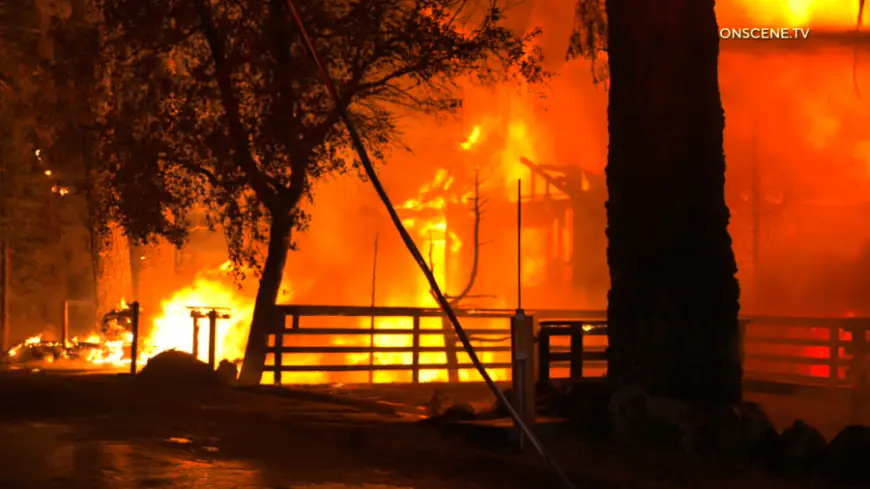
[805, 450]
[174, 367]
[635, 416]
[586, 404]
[716, 434]
[628, 412]
[732, 434]
[848, 454]
[670, 423]
[435, 405]
[548, 401]
[738, 435]
[456, 412]
[459, 412]
[761, 443]
[227, 372]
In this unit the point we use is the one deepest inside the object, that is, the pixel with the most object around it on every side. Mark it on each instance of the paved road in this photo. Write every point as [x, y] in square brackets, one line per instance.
[56, 456]
[111, 432]
[108, 432]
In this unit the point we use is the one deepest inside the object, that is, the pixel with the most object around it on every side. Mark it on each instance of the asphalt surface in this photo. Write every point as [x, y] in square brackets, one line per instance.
[116, 432]
[112, 432]
[56, 456]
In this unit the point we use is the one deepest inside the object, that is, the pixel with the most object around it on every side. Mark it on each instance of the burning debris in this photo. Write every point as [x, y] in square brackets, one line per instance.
[110, 345]
[93, 351]
[175, 367]
[34, 349]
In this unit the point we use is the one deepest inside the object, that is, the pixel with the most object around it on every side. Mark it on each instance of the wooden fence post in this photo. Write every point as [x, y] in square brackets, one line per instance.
[543, 357]
[64, 332]
[834, 354]
[134, 326]
[576, 370]
[278, 355]
[415, 355]
[195, 315]
[212, 338]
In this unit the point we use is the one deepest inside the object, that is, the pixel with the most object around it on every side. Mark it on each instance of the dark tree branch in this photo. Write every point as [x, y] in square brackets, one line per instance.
[242, 152]
[476, 261]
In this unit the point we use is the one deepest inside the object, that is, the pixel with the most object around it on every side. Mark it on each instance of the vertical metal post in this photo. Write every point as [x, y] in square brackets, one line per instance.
[64, 332]
[522, 375]
[522, 341]
[212, 338]
[519, 245]
[134, 325]
[195, 349]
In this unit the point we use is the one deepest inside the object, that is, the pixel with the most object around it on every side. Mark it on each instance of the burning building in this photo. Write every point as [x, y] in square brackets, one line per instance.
[798, 170]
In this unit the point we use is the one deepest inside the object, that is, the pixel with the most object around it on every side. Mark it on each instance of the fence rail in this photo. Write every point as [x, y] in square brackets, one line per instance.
[803, 350]
[487, 341]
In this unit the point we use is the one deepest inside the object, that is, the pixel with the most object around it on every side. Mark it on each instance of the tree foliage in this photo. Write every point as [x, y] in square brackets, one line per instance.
[219, 101]
[589, 37]
[48, 86]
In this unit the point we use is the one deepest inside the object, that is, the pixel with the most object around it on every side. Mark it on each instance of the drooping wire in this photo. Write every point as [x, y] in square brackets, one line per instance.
[415, 252]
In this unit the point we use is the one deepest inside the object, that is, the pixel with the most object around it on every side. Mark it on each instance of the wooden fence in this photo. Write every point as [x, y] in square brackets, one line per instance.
[830, 352]
[350, 324]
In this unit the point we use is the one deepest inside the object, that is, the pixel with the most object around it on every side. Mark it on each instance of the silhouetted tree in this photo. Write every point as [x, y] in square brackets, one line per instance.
[47, 74]
[219, 101]
[673, 302]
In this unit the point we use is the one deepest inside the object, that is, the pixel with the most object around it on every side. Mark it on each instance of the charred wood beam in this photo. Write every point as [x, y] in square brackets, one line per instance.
[561, 185]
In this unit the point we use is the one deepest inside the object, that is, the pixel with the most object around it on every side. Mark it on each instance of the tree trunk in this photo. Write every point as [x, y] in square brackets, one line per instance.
[267, 294]
[136, 252]
[673, 303]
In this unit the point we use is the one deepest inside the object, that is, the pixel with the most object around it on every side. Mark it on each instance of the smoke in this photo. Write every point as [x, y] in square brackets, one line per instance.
[795, 125]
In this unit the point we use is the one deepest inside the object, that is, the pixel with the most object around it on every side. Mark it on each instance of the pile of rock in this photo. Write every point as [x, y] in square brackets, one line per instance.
[173, 367]
[742, 435]
[442, 408]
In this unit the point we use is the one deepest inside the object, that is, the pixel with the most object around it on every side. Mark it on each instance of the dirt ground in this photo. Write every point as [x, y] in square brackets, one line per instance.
[829, 411]
[112, 432]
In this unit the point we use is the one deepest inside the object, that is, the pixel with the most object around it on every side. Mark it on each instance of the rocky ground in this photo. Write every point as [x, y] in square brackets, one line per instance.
[115, 432]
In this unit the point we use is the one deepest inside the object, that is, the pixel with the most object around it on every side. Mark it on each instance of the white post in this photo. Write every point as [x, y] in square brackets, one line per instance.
[523, 368]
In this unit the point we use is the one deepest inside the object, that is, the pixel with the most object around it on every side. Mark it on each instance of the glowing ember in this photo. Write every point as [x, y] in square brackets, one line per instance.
[33, 340]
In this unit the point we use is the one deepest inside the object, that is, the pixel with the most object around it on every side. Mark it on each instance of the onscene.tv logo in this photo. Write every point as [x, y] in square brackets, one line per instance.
[765, 33]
